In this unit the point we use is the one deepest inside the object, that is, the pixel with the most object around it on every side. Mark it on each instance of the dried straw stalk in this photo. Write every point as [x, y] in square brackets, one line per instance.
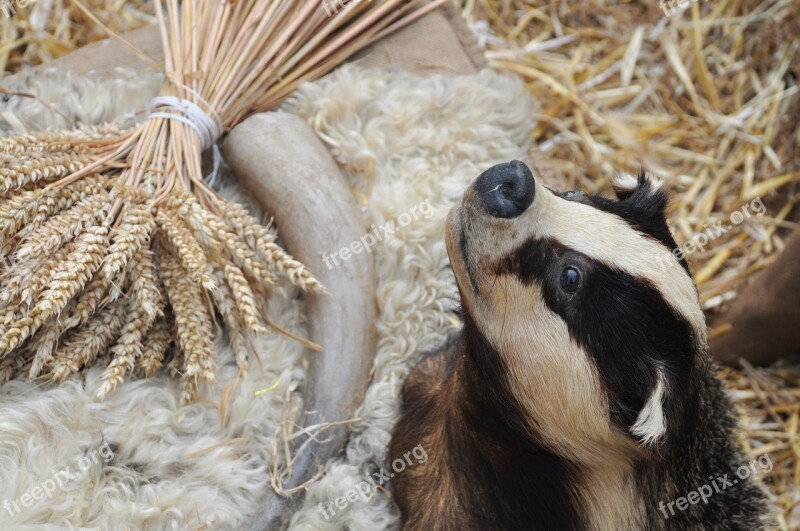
[39, 31]
[114, 242]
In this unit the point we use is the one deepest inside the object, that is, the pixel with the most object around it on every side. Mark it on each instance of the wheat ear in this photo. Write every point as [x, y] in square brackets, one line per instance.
[155, 346]
[68, 279]
[86, 343]
[135, 226]
[192, 320]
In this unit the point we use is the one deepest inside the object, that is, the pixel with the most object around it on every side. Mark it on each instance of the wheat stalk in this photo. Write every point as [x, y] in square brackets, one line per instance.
[88, 301]
[193, 325]
[127, 348]
[115, 247]
[155, 346]
[227, 305]
[183, 244]
[63, 227]
[128, 238]
[88, 342]
[259, 238]
[145, 285]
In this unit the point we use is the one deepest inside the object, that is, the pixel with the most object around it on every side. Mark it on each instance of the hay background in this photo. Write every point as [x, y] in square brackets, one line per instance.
[706, 98]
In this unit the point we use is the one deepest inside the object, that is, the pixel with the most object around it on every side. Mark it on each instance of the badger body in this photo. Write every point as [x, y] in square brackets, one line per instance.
[579, 393]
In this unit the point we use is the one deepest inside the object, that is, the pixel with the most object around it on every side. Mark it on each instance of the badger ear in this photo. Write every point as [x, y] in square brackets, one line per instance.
[651, 425]
[644, 193]
[624, 185]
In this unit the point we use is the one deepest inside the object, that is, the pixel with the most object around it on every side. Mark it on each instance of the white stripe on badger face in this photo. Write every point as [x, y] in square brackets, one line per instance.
[551, 375]
[650, 424]
[559, 388]
[603, 237]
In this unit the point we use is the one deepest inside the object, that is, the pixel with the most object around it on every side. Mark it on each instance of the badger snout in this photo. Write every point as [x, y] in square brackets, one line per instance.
[506, 190]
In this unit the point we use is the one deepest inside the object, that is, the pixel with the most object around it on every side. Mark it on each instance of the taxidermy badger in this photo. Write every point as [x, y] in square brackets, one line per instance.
[579, 393]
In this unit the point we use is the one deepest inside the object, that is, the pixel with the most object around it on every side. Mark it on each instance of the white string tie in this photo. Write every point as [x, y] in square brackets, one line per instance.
[173, 108]
[211, 178]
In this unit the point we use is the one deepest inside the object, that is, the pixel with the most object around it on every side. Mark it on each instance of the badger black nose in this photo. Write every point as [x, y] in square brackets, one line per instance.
[507, 189]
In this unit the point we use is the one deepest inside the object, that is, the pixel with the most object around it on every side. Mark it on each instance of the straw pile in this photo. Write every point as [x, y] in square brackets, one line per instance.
[706, 98]
[42, 30]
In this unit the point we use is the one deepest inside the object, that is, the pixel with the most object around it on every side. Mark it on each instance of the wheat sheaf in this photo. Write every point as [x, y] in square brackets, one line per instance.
[82, 282]
[115, 249]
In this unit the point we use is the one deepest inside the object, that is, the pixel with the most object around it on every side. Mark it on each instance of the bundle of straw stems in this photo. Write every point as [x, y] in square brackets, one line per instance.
[116, 250]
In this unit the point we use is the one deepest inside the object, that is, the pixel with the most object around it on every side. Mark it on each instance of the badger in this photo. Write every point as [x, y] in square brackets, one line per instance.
[579, 393]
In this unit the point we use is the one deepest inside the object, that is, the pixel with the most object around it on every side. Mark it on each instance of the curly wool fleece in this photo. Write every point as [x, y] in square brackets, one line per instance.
[53, 99]
[404, 140]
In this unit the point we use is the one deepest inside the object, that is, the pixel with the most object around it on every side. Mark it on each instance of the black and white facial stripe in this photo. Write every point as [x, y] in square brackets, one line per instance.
[634, 338]
[641, 202]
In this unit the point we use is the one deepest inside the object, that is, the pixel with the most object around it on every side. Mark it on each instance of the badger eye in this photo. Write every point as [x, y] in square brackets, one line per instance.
[570, 279]
[571, 194]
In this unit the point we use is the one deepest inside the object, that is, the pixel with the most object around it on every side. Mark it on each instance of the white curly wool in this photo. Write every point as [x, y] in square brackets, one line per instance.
[52, 99]
[403, 140]
[172, 468]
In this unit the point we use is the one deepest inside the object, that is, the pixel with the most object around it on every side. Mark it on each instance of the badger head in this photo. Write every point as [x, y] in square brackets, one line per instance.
[585, 312]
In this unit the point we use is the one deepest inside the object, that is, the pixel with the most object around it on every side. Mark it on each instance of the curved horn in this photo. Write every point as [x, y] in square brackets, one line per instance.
[283, 164]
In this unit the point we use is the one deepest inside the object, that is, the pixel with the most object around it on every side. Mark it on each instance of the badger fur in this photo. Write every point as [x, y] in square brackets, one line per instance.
[579, 393]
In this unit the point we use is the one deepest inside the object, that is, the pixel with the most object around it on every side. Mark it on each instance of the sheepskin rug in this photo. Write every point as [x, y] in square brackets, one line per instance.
[49, 98]
[139, 461]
